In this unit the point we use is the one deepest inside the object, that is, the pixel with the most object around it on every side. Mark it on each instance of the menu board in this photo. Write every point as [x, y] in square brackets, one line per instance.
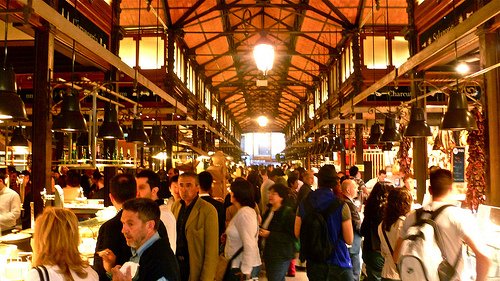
[459, 164]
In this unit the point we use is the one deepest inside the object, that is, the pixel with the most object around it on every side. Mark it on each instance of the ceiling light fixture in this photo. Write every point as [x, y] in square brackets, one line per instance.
[110, 129]
[262, 121]
[18, 139]
[417, 127]
[11, 104]
[462, 68]
[263, 53]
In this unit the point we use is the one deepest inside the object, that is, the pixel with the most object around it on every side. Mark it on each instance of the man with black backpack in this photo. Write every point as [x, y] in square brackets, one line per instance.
[323, 223]
[430, 244]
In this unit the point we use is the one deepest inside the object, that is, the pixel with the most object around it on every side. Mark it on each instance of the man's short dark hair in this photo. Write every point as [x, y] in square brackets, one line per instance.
[353, 171]
[123, 187]
[291, 180]
[205, 179]
[73, 178]
[146, 208]
[174, 179]
[176, 171]
[153, 178]
[441, 181]
[382, 172]
[190, 174]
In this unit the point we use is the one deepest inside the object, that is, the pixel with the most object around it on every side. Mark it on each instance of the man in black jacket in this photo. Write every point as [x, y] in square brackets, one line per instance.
[111, 240]
[206, 180]
[140, 219]
[122, 188]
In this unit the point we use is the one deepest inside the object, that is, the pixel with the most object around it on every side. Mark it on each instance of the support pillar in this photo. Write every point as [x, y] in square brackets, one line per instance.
[489, 52]
[420, 159]
[42, 119]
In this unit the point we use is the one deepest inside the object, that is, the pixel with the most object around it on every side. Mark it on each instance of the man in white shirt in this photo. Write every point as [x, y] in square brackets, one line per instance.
[10, 206]
[264, 189]
[457, 226]
[148, 185]
[381, 177]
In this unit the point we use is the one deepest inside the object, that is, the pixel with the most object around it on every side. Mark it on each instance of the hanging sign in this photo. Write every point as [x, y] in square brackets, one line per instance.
[82, 22]
[402, 93]
[450, 20]
[458, 164]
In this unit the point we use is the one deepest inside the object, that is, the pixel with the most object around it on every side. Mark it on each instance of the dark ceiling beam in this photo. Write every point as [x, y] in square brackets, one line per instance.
[359, 12]
[302, 70]
[220, 71]
[226, 24]
[217, 7]
[322, 44]
[337, 12]
[309, 59]
[192, 50]
[216, 58]
[166, 12]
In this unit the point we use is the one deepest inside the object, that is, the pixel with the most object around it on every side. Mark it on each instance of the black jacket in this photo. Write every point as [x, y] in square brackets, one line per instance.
[158, 261]
[280, 245]
[111, 237]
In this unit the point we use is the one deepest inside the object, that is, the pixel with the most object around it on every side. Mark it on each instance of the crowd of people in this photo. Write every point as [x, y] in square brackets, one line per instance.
[173, 229]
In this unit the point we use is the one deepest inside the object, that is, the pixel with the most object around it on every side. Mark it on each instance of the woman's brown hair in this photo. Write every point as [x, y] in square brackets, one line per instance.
[56, 242]
[398, 204]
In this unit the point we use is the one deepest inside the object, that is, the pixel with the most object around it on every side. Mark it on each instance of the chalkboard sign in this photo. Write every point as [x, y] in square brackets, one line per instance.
[459, 164]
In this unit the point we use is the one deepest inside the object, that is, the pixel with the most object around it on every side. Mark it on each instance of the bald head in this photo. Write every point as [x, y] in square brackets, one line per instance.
[348, 188]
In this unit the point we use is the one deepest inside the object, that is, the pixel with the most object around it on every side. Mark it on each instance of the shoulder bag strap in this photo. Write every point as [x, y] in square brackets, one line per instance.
[46, 272]
[236, 255]
[389, 245]
[40, 275]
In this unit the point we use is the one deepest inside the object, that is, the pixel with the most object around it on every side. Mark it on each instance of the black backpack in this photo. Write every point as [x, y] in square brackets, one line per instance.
[315, 241]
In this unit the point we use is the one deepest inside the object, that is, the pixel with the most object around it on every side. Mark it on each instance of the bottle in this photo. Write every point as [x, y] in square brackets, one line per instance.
[120, 155]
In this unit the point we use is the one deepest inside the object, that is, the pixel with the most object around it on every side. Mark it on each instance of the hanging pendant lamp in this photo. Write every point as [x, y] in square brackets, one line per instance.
[375, 134]
[11, 104]
[458, 117]
[70, 119]
[137, 133]
[263, 54]
[417, 127]
[156, 139]
[110, 129]
[18, 139]
[391, 133]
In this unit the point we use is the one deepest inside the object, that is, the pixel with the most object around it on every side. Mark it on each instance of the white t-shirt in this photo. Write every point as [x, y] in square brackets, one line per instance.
[455, 224]
[389, 270]
[168, 219]
[243, 230]
[54, 275]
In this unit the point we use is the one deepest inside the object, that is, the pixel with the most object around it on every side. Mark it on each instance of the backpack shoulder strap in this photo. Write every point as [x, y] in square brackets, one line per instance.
[43, 274]
[333, 207]
[438, 211]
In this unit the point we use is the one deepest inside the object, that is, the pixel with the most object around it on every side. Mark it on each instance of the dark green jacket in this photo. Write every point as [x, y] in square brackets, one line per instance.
[280, 245]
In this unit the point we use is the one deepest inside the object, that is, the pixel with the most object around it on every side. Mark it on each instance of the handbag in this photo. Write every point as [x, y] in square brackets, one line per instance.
[42, 273]
[224, 265]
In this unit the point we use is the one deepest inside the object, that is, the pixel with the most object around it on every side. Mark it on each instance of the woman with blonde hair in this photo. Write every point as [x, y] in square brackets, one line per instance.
[55, 248]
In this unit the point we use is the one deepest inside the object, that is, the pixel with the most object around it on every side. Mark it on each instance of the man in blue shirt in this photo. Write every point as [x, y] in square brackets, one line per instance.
[156, 260]
[338, 265]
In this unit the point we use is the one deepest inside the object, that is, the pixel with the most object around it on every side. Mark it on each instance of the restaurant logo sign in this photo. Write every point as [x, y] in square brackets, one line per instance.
[402, 93]
[450, 20]
[85, 25]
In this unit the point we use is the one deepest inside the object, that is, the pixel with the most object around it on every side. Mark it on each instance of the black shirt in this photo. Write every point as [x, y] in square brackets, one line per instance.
[182, 251]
